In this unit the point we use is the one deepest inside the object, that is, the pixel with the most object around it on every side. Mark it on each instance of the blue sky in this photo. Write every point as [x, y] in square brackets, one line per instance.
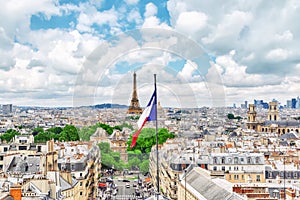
[64, 53]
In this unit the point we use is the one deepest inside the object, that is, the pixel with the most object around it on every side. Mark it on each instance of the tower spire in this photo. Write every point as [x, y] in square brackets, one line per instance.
[134, 107]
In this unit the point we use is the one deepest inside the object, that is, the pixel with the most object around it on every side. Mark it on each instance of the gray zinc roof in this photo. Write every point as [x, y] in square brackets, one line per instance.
[207, 188]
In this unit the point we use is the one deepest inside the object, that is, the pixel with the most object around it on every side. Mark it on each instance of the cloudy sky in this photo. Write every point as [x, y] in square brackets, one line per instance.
[82, 52]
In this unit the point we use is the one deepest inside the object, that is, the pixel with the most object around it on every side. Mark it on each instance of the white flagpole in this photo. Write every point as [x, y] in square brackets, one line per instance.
[156, 131]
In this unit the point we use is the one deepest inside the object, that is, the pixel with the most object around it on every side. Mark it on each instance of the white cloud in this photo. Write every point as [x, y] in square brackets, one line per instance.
[229, 28]
[132, 2]
[150, 10]
[285, 36]
[235, 75]
[191, 22]
[278, 54]
[187, 71]
[90, 16]
[134, 16]
[154, 22]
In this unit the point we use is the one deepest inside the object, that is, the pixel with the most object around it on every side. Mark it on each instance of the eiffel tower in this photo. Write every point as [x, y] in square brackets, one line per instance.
[134, 107]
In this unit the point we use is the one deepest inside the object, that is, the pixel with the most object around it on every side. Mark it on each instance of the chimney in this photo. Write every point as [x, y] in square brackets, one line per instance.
[16, 192]
[50, 144]
[67, 176]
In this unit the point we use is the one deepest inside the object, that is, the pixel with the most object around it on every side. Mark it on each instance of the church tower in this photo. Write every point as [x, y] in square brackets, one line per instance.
[273, 111]
[134, 107]
[251, 122]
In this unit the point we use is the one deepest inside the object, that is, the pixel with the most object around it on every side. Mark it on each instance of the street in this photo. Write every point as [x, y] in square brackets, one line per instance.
[124, 188]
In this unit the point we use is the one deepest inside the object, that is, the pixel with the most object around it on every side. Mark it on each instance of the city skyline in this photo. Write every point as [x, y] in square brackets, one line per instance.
[53, 52]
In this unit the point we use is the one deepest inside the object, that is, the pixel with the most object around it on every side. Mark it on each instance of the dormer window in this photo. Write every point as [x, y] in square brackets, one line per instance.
[215, 160]
[236, 159]
[223, 160]
[248, 160]
[257, 160]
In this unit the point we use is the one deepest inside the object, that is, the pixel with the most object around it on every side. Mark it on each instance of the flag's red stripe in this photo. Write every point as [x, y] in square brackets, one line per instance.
[136, 134]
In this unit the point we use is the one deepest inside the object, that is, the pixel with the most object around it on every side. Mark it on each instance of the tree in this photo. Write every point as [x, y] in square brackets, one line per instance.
[230, 116]
[9, 135]
[37, 130]
[86, 131]
[134, 163]
[109, 158]
[42, 137]
[63, 136]
[104, 147]
[56, 130]
[144, 166]
[147, 139]
[70, 132]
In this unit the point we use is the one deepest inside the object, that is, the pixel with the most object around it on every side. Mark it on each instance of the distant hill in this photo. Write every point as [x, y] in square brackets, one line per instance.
[108, 105]
[97, 106]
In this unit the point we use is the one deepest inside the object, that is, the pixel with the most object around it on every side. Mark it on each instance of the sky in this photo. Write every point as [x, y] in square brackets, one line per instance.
[205, 53]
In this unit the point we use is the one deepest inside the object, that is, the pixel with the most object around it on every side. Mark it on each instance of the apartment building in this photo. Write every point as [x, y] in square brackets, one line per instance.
[56, 170]
[238, 167]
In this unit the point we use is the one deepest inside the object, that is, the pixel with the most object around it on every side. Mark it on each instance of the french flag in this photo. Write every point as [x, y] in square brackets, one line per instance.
[149, 114]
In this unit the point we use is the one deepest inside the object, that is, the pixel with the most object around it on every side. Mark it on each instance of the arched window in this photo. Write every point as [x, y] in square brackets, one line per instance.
[236, 159]
[257, 160]
[249, 160]
[223, 160]
[215, 160]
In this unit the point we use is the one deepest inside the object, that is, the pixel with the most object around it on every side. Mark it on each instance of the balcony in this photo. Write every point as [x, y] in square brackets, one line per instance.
[217, 173]
[173, 187]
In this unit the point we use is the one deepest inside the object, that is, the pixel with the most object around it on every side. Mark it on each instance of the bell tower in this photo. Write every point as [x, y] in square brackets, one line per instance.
[134, 107]
[251, 122]
[273, 111]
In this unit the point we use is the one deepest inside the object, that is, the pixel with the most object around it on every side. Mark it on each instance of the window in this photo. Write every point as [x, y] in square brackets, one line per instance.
[5, 149]
[248, 160]
[80, 193]
[258, 178]
[223, 160]
[270, 174]
[215, 160]
[243, 177]
[80, 183]
[215, 168]
[236, 177]
[22, 148]
[236, 159]
[223, 168]
[257, 160]
[1, 157]
[229, 177]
